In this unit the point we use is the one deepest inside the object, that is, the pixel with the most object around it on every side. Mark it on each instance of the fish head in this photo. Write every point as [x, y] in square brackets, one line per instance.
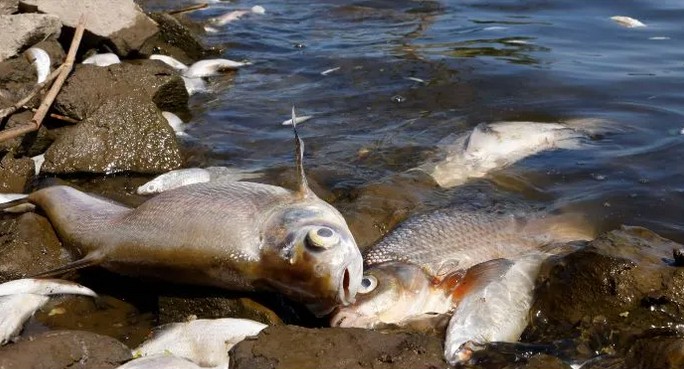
[312, 256]
[391, 293]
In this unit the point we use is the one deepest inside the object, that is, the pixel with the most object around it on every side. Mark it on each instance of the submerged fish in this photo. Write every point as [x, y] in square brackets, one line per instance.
[183, 177]
[212, 67]
[20, 299]
[205, 342]
[497, 145]
[428, 264]
[102, 60]
[235, 235]
[41, 61]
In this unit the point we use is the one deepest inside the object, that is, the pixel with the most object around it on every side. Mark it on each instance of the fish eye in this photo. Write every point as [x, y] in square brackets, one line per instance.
[323, 237]
[368, 284]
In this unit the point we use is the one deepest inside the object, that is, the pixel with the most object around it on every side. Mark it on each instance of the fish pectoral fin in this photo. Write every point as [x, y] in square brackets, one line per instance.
[87, 261]
[480, 275]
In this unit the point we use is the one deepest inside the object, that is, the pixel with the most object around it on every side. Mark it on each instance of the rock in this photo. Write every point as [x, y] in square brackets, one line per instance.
[28, 246]
[120, 24]
[29, 144]
[26, 30]
[174, 39]
[540, 361]
[177, 309]
[616, 288]
[292, 347]
[147, 80]
[126, 134]
[15, 174]
[64, 349]
[9, 7]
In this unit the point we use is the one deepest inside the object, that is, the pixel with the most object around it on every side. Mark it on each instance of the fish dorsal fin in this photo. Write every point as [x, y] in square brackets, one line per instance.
[303, 187]
[480, 275]
[482, 136]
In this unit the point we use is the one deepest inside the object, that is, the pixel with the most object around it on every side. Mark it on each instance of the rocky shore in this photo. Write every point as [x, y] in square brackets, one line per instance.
[616, 300]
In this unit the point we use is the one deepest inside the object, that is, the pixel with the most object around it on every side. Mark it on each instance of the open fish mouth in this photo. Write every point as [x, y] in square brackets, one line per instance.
[345, 294]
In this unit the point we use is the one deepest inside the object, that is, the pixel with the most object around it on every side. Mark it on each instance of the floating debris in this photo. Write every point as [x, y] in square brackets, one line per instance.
[300, 119]
[628, 22]
[659, 38]
[328, 71]
[415, 79]
[398, 99]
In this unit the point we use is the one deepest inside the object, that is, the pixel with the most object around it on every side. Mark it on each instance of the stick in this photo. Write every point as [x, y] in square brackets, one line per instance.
[65, 69]
[57, 116]
[36, 89]
[190, 8]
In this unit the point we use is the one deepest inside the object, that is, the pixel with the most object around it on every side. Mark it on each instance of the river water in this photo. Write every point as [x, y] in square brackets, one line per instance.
[409, 73]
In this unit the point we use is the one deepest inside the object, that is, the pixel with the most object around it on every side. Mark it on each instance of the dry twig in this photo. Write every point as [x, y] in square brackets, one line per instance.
[190, 8]
[64, 69]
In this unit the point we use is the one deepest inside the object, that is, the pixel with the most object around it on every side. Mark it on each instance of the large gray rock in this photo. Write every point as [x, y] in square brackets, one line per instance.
[28, 246]
[146, 79]
[174, 39]
[119, 23]
[20, 31]
[8, 6]
[15, 174]
[64, 349]
[125, 134]
[292, 347]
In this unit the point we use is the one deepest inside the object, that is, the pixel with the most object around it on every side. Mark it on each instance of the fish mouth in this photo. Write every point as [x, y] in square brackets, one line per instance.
[349, 282]
[345, 295]
[345, 318]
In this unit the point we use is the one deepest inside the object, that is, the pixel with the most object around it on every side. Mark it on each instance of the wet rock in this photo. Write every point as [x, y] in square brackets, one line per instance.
[283, 347]
[124, 134]
[622, 284]
[174, 39]
[147, 80]
[29, 245]
[17, 78]
[540, 362]
[26, 30]
[64, 349]
[15, 174]
[9, 7]
[119, 24]
[177, 309]
[29, 144]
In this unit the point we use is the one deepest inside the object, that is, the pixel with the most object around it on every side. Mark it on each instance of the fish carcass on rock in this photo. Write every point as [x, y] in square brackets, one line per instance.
[423, 269]
[183, 177]
[234, 235]
[497, 145]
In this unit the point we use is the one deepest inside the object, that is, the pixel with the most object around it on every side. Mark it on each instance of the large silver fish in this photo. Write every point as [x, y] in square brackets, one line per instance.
[235, 235]
[419, 269]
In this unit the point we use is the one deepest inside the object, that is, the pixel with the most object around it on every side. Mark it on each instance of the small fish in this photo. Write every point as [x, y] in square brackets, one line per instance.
[38, 161]
[212, 67]
[205, 342]
[494, 146]
[176, 123]
[20, 299]
[628, 22]
[328, 71]
[194, 85]
[234, 235]
[418, 268]
[102, 60]
[183, 177]
[414, 79]
[169, 61]
[41, 61]
[300, 119]
[162, 361]
[496, 309]
[229, 17]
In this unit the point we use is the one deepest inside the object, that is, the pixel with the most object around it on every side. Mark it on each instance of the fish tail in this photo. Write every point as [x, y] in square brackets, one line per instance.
[564, 227]
[15, 206]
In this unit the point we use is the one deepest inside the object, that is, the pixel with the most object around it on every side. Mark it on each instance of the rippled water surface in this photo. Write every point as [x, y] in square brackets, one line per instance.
[412, 72]
[481, 61]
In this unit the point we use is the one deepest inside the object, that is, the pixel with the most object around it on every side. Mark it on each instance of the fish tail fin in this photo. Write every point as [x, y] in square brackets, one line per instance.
[564, 227]
[476, 277]
[16, 205]
[87, 261]
[303, 187]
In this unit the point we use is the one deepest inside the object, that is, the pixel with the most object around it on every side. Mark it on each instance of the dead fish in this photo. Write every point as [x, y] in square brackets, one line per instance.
[175, 122]
[38, 161]
[496, 309]
[494, 146]
[194, 85]
[417, 270]
[102, 60]
[236, 14]
[15, 197]
[235, 235]
[205, 342]
[20, 299]
[300, 119]
[328, 71]
[40, 60]
[169, 61]
[161, 361]
[183, 177]
[212, 67]
[628, 22]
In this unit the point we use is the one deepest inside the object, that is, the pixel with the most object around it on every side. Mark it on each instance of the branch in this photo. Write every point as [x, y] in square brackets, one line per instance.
[190, 8]
[64, 69]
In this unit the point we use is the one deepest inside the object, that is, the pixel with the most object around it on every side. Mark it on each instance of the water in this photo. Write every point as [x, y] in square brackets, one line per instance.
[481, 61]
